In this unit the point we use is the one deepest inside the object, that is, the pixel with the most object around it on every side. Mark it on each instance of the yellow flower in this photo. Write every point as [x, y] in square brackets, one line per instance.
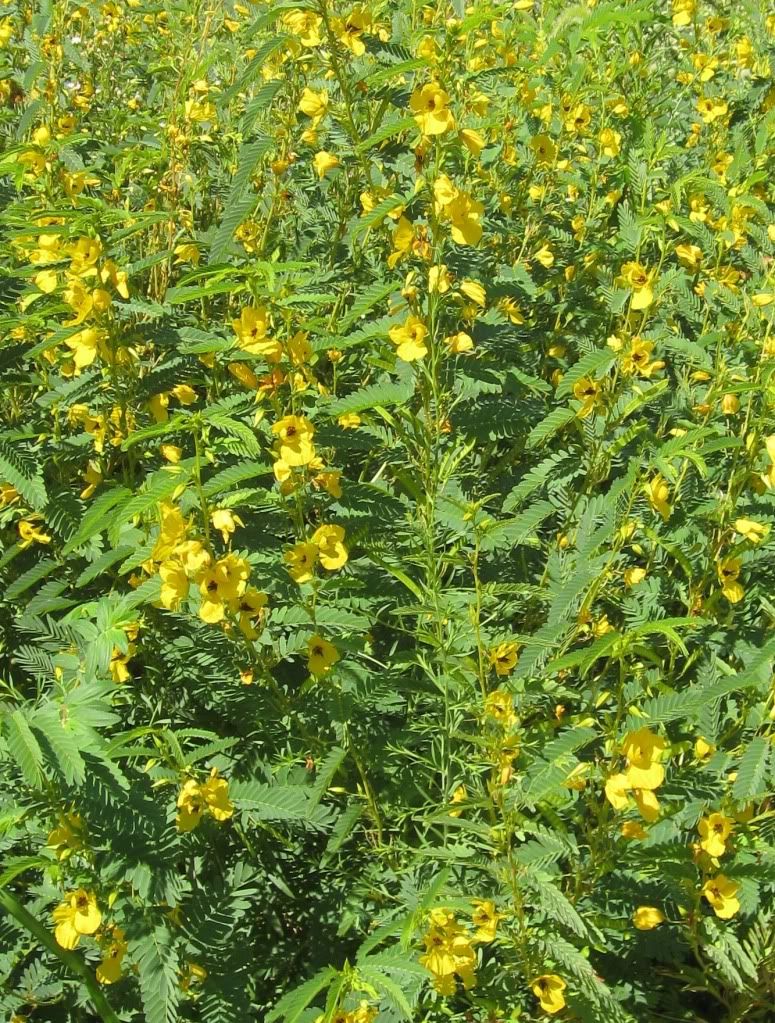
[730, 405]
[171, 532]
[714, 832]
[637, 359]
[504, 658]
[350, 29]
[485, 919]
[6, 32]
[721, 893]
[301, 561]
[321, 655]
[768, 478]
[92, 477]
[194, 800]
[430, 105]
[76, 916]
[215, 792]
[84, 253]
[647, 803]
[642, 750]
[221, 585]
[349, 421]
[187, 252]
[473, 140]
[610, 142]
[251, 610]
[463, 213]
[616, 789]
[251, 330]
[459, 343]
[118, 278]
[728, 572]
[588, 392]
[294, 440]
[658, 494]
[638, 279]
[330, 482]
[703, 749]
[305, 25]
[403, 236]
[67, 837]
[29, 533]
[548, 989]
[8, 495]
[753, 532]
[499, 706]
[448, 953]
[85, 345]
[109, 970]
[329, 542]
[475, 291]
[633, 830]
[544, 148]
[46, 281]
[324, 162]
[458, 796]
[200, 110]
[711, 108]
[174, 584]
[439, 279]
[410, 339]
[226, 522]
[545, 256]
[313, 104]
[761, 299]
[683, 12]
[689, 256]
[634, 575]
[511, 310]
[646, 918]
[119, 671]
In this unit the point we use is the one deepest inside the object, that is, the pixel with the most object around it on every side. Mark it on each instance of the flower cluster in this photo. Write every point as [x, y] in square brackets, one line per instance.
[450, 955]
[644, 774]
[199, 799]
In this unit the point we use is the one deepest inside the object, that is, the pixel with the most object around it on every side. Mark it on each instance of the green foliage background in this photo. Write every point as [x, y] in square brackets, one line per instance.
[482, 504]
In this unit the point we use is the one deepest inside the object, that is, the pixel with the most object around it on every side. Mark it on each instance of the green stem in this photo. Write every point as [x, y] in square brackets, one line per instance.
[72, 961]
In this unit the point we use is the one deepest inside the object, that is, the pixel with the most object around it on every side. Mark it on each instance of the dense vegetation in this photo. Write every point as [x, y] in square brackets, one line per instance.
[387, 482]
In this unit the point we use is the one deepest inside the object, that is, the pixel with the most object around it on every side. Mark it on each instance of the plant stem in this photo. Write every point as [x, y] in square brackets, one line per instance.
[72, 961]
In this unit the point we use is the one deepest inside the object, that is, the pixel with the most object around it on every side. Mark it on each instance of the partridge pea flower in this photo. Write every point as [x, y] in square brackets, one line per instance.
[76, 916]
[548, 989]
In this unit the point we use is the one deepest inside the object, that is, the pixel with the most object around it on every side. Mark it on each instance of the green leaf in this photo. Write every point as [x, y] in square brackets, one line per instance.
[365, 301]
[388, 130]
[27, 579]
[24, 748]
[752, 772]
[96, 517]
[156, 489]
[157, 964]
[271, 802]
[325, 772]
[292, 1005]
[64, 741]
[377, 215]
[550, 425]
[23, 472]
[342, 830]
[593, 364]
[513, 532]
[380, 395]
